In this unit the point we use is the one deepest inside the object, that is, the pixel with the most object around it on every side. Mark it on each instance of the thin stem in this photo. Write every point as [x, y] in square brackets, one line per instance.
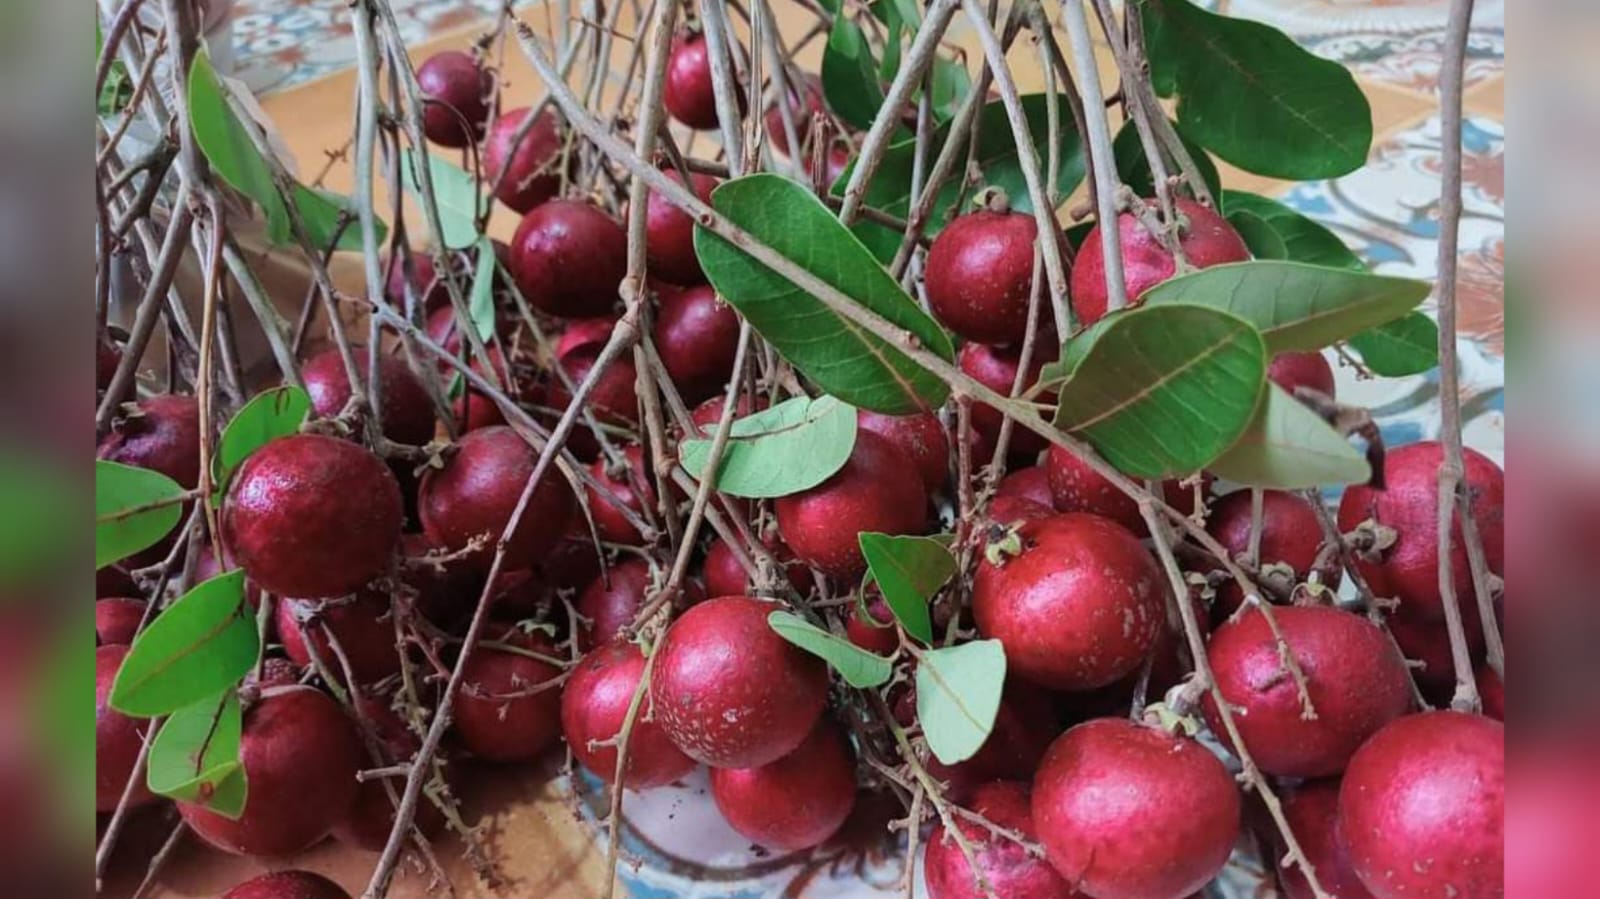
[1103, 170]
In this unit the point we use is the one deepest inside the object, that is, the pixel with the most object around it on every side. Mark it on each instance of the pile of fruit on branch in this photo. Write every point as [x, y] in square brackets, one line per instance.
[776, 440]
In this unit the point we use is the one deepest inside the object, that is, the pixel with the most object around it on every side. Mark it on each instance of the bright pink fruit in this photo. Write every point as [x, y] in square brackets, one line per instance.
[688, 94]
[878, 489]
[996, 368]
[407, 413]
[795, 802]
[669, 232]
[476, 492]
[1291, 534]
[117, 738]
[1292, 370]
[371, 818]
[456, 90]
[531, 175]
[697, 336]
[1312, 810]
[361, 623]
[506, 711]
[287, 885]
[117, 620]
[1127, 811]
[980, 273]
[729, 691]
[568, 258]
[1009, 869]
[1207, 240]
[920, 436]
[594, 705]
[161, 433]
[611, 600]
[631, 486]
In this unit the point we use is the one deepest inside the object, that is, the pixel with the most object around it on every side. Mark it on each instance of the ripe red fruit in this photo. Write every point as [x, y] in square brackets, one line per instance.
[878, 635]
[706, 415]
[505, 710]
[456, 90]
[1291, 534]
[1409, 569]
[430, 291]
[980, 273]
[1206, 240]
[876, 490]
[208, 566]
[117, 620]
[594, 705]
[920, 436]
[1077, 607]
[360, 623]
[1010, 870]
[1075, 487]
[117, 738]
[371, 818]
[1291, 370]
[795, 802]
[729, 691]
[1492, 690]
[568, 258]
[611, 600]
[300, 754]
[1356, 680]
[584, 333]
[531, 175]
[1428, 641]
[996, 368]
[697, 336]
[1127, 811]
[632, 487]
[669, 232]
[687, 93]
[1312, 810]
[614, 397]
[161, 433]
[724, 576]
[287, 885]
[407, 413]
[312, 516]
[1422, 808]
[476, 492]
[276, 671]
[1025, 724]
[1031, 483]
[802, 106]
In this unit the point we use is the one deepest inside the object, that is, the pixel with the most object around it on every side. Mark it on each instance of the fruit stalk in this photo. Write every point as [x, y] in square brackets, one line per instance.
[1102, 168]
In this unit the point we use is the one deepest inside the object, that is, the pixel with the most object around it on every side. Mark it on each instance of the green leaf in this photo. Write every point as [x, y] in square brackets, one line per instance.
[1263, 240]
[951, 85]
[1296, 307]
[1409, 345]
[859, 668]
[480, 303]
[837, 354]
[890, 65]
[196, 753]
[1289, 447]
[118, 488]
[199, 646]
[1160, 390]
[323, 211]
[1255, 97]
[274, 413]
[1303, 239]
[958, 694]
[1133, 166]
[456, 191]
[850, 75]
[908, 571]
[790, 447]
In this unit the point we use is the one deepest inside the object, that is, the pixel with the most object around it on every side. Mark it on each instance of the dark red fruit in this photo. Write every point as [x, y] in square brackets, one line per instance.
[996, 368]
[457, 91]
[1492, 690]
[729, 691]
[980, 273]
[614, 397]
[802, 106]
[1409, 570]
[878, 634]
[1422, 808]
[724, 576]
[1312, 810]
[1126, 811]
[1009, 869]
[669, 232]
[878, 489]
[117, 620]
[631, 486]
[1025, 724]
[575, 561]
[476, 492]
[568, 258]
[312, 516]
[1079, 606]
[697, 336]
[161, 433]
[1206, 239]
[1292, 370]
[1031, 483]
[585, 333]
[795, 802]
[287, 885]
[1075, 487]
[300, 754]
[1356, 680]
[361, 624]
[1291, 534]
[688, 94]
[112, 581]
[372, 817]
[611, 601]
[594, 705]
[430, 291]
[531, 175]
[506, 711]
[276, 671]
[920, 436]
[407, 413]
[1428, 641]
[117, 738]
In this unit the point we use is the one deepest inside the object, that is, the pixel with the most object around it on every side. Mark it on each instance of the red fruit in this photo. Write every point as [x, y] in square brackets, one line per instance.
[980, 273]
[630, 486]
[724, 576]
[112, 581]
[362, 625]
[429, 289]
[697, 336]
[1409, 569]
[1075, 487]
[161, 433]
[594, 705]
[611, 601]
[456, 91]
[1127, 811]
[474, 410]
[1312, 810]
[802, 106]
[117, 620]
[1291, 534]
[575, 561]
[1428, 641]
[706, 415]
[996, 368]
[505, 710]
[920, 436]
[1492, 690]
[1207, 240]
[1422, 808]
[729, 691]
[300, 754]
[568, 258]
[1291, 370]
[795, 802]
[1010, 870]
[1031, 483]
[876, 490]
[287, 885]
[585, 333]
[614, 396]
[669, 232]
[117, 738]
[476, 492]
[1079, 606]
[407, 413]
[1025, 724]
[1015, 510]
[1356, 680]
[312, 516]
[532, 174]
[878, 635]
[688, 94]
[372, 817]
[276, 671]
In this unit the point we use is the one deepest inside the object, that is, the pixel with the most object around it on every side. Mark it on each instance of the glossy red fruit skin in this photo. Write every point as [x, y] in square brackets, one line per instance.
[1075, 487]
[795, 802]
[724, 576]
[1409, 570]
[1031, 483]
[1427, 641]
[729, 691]
[1291, 533]
[287, 885]
[476, 492]
[1011, 511]
[117, 738]
[996, 368]
[568, 258]
[878, 489]
[980, 270]
[1422, 808]
[594, 705]
[312, 516]
[1312, 810]
[610, 602]
[614, 396]
[117, 620]
[163, 435]
[301, 755]
[498, 714]
[1079, 607]
[697, 336]
[1291, 370]
[372, 816]
[457, 90]
[584, 333]
[407, 413]
[920, 436]
[687, 93]
[1126, 811]
[533, 174]
[1010, 870]
[430, 290]
[608, 519]
[878, 635]
[669, 232]
[1025, 725]
[802, 107]
[1357, 681]
[362, 624]
[1209, 240]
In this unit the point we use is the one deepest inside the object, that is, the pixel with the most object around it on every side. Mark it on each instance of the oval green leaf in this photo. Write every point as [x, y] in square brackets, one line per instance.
[958, 695]
[1133, 166]
[791, 447]
[457, 192]
[199, 646]
[908, 571]
[1289, 447]
[120, 488]
[1304, 240]
[480, 303]
[850, 75]
[196, 753]
[1409, 345]
[271, 414]
[1263, 240]
[834, 352]
[859, 668]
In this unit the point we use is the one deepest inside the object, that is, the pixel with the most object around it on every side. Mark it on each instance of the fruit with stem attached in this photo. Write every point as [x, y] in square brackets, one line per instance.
[1291, 534]
[528, 172]
[361, 625]
[594, 706]
[568, 258]
[407, 412]
[980, 272]
[1205, 238]
[508, 709]
[475, 494]
[724, 576]
[795, 802]
[697, 336]
[161, 433]
[456, 91]
[1076, 487]
[1010, 870]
